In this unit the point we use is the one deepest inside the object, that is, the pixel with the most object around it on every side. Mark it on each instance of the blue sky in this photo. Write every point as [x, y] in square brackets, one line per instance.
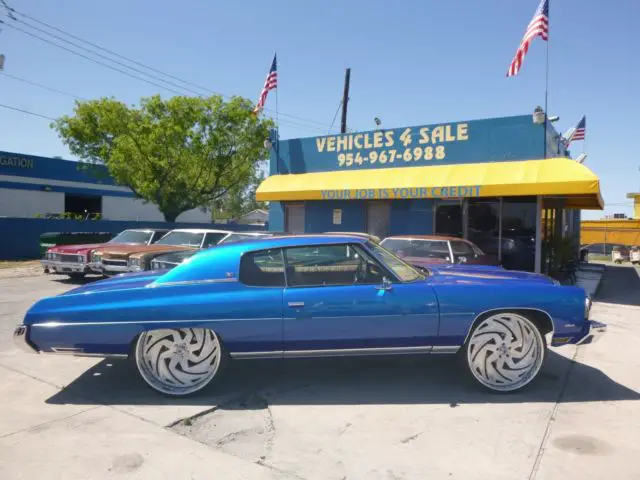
[412, 63]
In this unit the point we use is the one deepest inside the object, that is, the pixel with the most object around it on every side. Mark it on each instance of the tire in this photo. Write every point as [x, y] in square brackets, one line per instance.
[179, 362]
[505, 352]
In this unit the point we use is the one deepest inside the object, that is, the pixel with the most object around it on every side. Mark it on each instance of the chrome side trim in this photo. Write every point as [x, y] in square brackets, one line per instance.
[78, 352]
[446, 349]
[250, 355]
[194, 282]
[141, 322]
[347, 352]
[552, 332]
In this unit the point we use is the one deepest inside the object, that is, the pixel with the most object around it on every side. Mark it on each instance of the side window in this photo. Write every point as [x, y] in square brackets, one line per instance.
[331, 265]
[212, 239]
[462, 249]
[262, 269]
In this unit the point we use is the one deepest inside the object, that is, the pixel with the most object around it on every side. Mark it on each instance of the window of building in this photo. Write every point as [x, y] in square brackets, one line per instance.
[484, 224]
[262, 269]
[448, 218]
[86, 205]
[331, 265]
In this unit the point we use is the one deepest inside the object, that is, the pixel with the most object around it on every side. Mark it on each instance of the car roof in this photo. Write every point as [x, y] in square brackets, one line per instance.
[426, 237]
[200, 230]
[302, 240]
[146, 230]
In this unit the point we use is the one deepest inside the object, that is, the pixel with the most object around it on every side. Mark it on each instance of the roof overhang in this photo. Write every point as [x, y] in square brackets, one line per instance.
[559, 177]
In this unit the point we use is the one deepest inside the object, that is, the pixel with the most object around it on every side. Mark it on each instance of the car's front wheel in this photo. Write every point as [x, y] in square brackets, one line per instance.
[505, 351]
[178, 361]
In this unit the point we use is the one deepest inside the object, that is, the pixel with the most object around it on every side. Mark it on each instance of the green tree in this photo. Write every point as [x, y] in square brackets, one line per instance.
[241, 199]
[180, 154]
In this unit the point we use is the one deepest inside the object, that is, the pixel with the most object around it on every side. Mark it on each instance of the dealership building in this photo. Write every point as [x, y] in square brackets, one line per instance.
[502, 183]
[32, 186]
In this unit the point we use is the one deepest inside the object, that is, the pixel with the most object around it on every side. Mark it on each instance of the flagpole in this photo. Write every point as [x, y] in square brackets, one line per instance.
[546, 88]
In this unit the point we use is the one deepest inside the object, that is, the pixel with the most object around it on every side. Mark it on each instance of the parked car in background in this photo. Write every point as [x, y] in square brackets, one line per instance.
[173, 259]
[134, 258]
[619, 254]
[311, 296]
[76, 260]
[606, 249]
[53, 239]
[634, 255]
[426, 250]
[373, 238]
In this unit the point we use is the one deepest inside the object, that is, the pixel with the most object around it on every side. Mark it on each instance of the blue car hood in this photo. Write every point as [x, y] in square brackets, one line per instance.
[127, 280]
[463, 274]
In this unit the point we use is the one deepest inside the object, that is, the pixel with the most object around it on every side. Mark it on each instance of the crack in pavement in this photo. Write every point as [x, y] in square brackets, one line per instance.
[551, 420]
[48, 422]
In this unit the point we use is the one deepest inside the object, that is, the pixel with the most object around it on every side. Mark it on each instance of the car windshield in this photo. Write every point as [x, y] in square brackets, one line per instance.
[417, 247]
[402, 270]
[131, 236]
[186, 239]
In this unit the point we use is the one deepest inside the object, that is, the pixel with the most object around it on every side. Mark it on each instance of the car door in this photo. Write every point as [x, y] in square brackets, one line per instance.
[337, 297]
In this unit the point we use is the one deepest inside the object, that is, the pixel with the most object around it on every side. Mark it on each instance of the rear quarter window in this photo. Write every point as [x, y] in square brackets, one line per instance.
[264, 268]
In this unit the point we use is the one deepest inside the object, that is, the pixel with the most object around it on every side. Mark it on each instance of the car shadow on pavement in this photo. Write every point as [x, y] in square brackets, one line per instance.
[620, 285]
[354, 381]
[77, 281]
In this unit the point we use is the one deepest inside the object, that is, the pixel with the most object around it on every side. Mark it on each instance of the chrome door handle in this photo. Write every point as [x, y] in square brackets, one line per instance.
[296, 304]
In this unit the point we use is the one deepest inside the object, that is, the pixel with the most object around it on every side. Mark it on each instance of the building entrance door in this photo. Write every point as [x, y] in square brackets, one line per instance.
[294, 220]
[379, 219]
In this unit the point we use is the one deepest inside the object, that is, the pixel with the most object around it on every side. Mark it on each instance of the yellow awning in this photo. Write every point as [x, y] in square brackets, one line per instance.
[558, 177]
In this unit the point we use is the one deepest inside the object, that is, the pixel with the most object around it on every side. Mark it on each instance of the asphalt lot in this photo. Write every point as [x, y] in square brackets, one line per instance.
[398, 418]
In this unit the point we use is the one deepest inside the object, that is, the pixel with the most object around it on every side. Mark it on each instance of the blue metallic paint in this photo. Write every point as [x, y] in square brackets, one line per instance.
[105, 317]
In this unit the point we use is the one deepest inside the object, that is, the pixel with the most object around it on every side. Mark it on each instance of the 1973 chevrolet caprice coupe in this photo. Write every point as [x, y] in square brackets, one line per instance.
[311, 296]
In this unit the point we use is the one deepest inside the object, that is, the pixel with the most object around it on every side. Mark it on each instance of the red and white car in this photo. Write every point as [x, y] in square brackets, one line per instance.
[75, 260]
[426, 250]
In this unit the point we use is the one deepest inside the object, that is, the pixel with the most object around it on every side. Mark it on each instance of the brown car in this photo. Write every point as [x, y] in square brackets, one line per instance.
[425, 250]
[134, 258]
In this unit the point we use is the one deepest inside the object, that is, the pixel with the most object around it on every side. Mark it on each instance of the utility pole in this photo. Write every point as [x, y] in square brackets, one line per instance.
[345, 100]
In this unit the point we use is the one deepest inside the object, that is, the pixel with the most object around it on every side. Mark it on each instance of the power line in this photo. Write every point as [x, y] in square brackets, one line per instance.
[287, 123]
[16, 109]
[335, 116]
[36, 84]
[90, 59]
[13, 12]
[98, 54]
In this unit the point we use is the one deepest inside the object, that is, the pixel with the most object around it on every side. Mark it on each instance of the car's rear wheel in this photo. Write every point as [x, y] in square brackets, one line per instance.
[178, 361]
[505, 351]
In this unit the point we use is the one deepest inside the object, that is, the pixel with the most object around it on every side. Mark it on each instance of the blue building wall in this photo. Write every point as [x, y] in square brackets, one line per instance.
[26, 244]
[319, 216]
[19, 164]
[503, 139]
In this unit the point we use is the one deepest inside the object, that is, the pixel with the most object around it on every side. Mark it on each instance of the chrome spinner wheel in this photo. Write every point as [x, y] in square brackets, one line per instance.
[505, 352]
[178, 362]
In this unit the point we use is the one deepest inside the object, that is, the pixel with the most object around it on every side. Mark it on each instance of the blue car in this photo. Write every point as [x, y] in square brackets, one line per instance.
[311, 296]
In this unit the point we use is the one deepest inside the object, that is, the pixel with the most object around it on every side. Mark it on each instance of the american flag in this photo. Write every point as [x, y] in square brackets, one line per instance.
[538, 27]
[269, 84]
[578, 132]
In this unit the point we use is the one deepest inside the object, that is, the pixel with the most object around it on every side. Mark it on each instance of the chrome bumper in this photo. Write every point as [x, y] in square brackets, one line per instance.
[64, 267]
[20, 339]
[593, 334]
[114, 269]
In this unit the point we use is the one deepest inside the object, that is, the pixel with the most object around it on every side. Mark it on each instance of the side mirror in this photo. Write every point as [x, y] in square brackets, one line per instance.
[386, 284]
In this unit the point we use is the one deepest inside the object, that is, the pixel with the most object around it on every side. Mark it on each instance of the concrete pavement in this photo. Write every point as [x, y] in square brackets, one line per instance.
[400, 418]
